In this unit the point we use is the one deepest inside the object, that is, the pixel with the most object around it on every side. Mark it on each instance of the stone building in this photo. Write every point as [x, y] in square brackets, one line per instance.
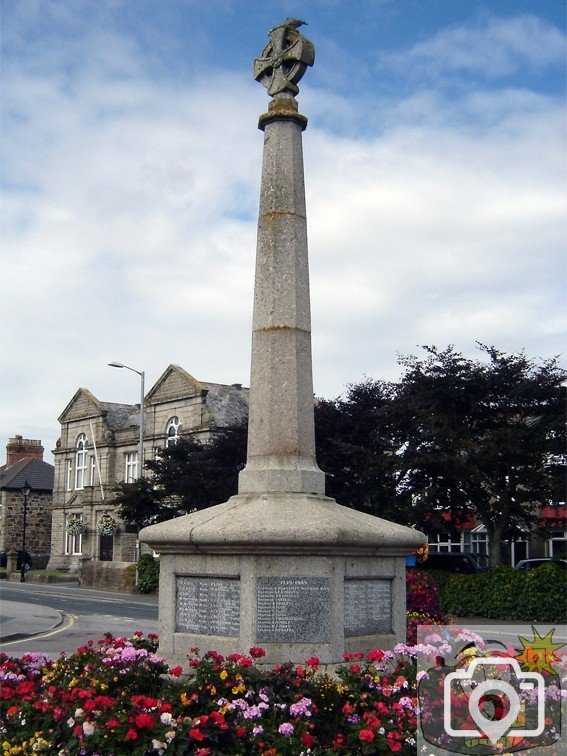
[24, 463]
[98, 448]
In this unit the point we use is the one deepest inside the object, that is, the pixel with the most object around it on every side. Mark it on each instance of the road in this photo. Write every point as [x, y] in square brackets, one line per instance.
[87, 614]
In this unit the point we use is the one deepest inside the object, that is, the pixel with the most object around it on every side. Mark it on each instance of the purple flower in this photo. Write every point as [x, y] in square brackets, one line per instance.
[286, 729]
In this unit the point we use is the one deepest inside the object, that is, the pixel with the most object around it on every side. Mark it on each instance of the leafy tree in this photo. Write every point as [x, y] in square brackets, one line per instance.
[354, 448]
[140, 503]
[187, 476]
[484, 436]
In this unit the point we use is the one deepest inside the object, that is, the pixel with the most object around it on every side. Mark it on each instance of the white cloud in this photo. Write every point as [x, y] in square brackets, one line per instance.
[493, 47]
[130, 215]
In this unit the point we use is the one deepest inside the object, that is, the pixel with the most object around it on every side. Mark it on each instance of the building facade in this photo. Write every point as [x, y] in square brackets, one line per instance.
[99, 447]
[24, 464]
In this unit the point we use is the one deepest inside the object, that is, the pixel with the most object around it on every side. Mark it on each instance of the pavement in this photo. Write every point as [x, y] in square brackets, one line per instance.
[21, 620]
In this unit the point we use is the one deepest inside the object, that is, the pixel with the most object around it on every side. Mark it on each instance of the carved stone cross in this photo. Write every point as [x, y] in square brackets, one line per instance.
[284, 59]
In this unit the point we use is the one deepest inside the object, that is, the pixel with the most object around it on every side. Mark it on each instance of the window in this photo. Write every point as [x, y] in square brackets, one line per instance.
[93, 471]
[130, 467]
[69, 474]
[73, 543]
[81, 462]
[172, 431]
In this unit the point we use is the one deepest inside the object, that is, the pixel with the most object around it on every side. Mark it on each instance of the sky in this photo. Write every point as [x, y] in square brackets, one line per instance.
[435, 166]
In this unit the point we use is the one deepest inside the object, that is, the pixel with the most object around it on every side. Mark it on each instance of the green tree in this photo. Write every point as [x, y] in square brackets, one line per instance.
[140, 503]
[485, 436]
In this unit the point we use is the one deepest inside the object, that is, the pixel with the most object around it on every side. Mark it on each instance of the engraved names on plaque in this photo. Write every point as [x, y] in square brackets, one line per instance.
[293, 610]
[208, 606]
[368, 607]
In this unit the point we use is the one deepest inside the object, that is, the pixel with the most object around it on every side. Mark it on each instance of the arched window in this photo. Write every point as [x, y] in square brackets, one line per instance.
[172, 431]
[81, 461]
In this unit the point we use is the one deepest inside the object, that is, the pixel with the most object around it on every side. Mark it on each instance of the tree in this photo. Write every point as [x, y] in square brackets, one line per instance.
[187, 476]
[480, 436]
[354, 448]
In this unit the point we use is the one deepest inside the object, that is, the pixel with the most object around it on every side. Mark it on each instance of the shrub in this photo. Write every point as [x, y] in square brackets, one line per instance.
[504, 593]
[148, 574]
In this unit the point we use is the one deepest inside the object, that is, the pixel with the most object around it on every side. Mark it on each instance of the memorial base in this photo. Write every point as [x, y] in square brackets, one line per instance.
[296, 574]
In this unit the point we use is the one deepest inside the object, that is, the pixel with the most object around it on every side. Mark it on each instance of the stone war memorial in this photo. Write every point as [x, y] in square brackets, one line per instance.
[280, 565]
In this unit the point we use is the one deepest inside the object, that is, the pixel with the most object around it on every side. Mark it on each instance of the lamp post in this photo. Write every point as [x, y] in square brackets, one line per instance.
[26, 490]
[141, 441]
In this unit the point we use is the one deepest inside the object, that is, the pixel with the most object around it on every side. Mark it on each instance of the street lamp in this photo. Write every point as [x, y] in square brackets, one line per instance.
[26, 490]
[141, 442]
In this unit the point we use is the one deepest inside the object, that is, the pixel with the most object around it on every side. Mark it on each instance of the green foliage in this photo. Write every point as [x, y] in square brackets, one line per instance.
[197, 475]
[148, 574]
[504, 593]
[140, 503]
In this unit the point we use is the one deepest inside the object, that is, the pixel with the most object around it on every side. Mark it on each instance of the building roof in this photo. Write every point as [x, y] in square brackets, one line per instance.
[119, 416]
[37, 473]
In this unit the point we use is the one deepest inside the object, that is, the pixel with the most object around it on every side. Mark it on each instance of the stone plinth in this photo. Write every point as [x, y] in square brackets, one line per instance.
[296, 574]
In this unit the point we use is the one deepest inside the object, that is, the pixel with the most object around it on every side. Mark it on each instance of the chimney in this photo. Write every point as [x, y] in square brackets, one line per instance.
[23, 448]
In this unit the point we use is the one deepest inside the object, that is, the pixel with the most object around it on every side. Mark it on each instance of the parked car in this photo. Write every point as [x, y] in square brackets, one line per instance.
[452, 561]
[529, 564]
[26, 559]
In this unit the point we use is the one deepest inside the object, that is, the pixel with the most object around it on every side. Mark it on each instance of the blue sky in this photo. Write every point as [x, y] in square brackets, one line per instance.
[435, 172]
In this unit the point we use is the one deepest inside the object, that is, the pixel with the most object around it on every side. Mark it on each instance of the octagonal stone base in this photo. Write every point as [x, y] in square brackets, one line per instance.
[296, 574]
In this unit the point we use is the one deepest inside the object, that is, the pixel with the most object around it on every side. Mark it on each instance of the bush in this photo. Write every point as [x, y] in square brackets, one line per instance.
[504, 593]
[148, 574]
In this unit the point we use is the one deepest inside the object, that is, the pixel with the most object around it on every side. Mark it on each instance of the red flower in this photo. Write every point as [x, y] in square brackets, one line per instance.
[256, 652]
[308, 740]
[176, 671]
[377, 655]
[131, 734]
[367, 736]
[244, 661]
[355, 669]
[112, 723]
[313, 662]
[196, 734]
[144, 720]
[240, 732]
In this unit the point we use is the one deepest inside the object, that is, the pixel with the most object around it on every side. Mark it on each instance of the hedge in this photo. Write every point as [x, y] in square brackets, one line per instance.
[536, 595]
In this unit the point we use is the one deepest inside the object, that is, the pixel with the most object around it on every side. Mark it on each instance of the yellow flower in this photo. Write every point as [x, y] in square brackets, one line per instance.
[238, 689]
[223, 674]
[213, 690]
[185, 700]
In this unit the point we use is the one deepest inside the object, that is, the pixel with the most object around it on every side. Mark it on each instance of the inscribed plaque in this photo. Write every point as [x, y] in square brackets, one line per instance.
[368, 607]
[208, 606]
[293, 610]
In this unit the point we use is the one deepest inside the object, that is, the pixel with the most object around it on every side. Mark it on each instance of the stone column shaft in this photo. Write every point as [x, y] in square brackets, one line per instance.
[281, 438]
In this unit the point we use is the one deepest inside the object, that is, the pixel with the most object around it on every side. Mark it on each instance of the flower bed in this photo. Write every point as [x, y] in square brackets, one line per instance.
[117, 697]
[113, 697]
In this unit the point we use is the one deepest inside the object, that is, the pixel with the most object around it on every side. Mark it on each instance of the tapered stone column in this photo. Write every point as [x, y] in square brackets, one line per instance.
[281, 565]
[281, 439]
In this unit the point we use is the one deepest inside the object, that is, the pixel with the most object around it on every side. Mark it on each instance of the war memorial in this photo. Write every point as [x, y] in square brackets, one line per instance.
[280, 565]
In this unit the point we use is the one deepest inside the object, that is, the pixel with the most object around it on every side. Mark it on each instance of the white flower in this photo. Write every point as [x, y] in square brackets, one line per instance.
[166, 717]
[169, 735]
[78, 713]
[158, 746]
[70, 722]
[88, 728]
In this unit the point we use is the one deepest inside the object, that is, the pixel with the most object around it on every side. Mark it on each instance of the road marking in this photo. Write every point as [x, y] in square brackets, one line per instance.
[68, 622]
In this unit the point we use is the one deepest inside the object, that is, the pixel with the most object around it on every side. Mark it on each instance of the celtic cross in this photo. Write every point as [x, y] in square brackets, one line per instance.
[284, 59]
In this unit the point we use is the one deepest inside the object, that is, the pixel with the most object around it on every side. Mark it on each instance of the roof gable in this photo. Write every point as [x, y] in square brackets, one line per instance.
[83, 405]
[174, 383]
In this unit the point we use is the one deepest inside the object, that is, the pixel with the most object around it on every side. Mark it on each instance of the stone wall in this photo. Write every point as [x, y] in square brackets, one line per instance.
[108, 576]
[38, 525]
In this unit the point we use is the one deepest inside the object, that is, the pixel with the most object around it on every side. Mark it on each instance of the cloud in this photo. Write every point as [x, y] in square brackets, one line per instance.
[130, 204]
[491, 47]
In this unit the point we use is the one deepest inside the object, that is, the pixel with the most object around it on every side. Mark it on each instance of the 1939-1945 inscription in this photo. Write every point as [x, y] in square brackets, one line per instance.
[293, 610]
[208, 606]
[368, 608]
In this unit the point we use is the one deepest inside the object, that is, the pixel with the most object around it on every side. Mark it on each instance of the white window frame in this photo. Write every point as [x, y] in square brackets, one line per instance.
[92, 476]
[130, 467]
[69, 475]
[73, 543]
[81, 462]
[172, 431]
